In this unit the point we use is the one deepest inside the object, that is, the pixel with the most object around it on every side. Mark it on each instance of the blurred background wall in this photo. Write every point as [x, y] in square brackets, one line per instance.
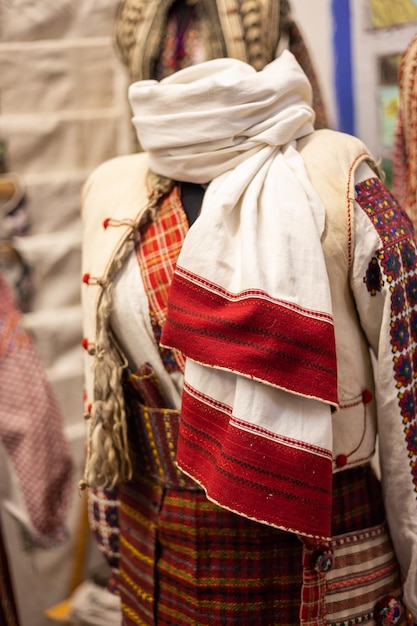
[63, 110]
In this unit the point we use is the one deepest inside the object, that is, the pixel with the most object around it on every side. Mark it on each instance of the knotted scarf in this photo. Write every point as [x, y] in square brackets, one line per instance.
[249, 304]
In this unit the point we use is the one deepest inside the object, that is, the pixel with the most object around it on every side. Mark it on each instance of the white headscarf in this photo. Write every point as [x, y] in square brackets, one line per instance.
[208, 118]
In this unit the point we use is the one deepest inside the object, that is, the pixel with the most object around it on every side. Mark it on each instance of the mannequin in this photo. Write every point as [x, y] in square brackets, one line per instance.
[193, 549]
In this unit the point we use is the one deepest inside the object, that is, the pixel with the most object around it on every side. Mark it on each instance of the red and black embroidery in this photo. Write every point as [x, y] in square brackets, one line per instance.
[373, 279]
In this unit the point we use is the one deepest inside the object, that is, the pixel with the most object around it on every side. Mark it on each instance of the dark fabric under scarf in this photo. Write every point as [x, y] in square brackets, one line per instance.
[191, 198]
[174, 52]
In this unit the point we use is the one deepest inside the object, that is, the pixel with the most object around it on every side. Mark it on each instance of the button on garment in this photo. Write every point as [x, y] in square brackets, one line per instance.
[389, 610]
[323, 559]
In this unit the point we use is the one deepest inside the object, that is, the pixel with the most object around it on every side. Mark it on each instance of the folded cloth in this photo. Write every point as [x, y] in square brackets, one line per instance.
[92, 605]
[31, 431]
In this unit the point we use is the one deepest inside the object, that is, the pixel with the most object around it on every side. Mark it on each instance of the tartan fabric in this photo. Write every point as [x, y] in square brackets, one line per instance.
[351, 501]
[158, 251]
[157, 254]
[141, 501]
[103, 519]
[186, 561]
[153, 431]
[364, 571]
[246, 573]
[365, 567]
[312, 592]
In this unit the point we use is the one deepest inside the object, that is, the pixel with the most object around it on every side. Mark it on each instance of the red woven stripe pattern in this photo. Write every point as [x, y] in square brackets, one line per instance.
[252, 334]
[287, 494]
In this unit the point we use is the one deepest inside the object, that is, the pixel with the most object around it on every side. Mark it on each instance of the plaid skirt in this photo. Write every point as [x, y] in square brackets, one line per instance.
[184, 561]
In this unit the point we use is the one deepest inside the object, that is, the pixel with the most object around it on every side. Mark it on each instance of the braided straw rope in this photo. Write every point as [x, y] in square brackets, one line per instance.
[108, 456]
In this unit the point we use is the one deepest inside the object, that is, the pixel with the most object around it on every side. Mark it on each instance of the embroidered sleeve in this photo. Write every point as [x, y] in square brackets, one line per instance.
[384, 281]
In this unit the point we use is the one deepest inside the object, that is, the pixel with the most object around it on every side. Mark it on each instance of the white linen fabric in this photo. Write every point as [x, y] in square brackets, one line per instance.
[261, 220]
[221, 121]
[208, 118]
